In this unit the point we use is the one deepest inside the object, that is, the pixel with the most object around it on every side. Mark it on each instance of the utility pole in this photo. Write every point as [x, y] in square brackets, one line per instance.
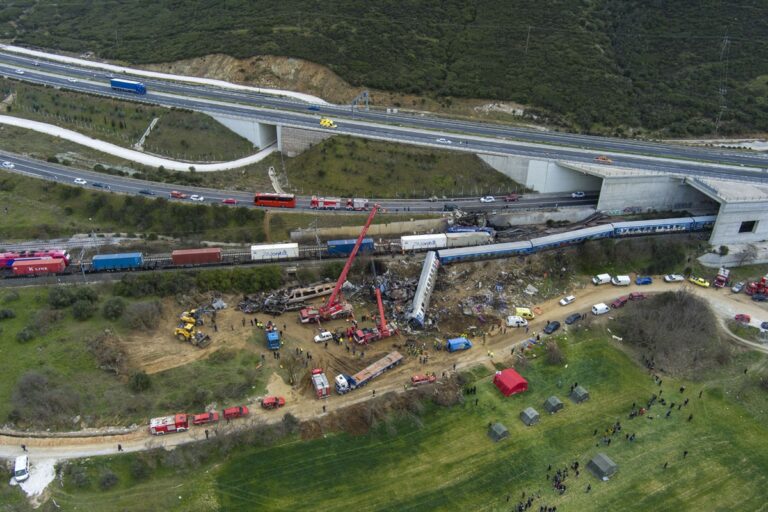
[723, 89]
[527, 39]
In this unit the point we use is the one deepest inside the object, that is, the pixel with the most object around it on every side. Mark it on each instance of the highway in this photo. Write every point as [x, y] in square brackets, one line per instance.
[150, 189]
[425, 130]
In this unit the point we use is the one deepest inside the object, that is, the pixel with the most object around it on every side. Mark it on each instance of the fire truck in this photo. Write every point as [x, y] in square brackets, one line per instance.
[325, 203]
[722, 277]
[357, 204]
[320, 383]
[168, 424]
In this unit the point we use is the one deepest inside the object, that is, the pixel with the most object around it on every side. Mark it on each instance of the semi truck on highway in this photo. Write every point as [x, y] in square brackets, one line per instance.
[119, 84]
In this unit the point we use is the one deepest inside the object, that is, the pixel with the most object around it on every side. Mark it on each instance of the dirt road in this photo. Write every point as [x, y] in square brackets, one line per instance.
[724, 303]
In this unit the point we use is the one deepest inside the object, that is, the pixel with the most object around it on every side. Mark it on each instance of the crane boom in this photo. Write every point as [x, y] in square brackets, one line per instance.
[382, 321]
[343, 276]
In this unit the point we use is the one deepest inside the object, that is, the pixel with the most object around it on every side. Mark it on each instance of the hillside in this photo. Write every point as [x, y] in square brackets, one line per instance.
[604, 66]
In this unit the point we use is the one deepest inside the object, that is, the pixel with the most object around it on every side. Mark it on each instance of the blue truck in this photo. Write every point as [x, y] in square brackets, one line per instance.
[456, 344]
[344, 247]
[273, 340]
[119, 84]
[122, 261]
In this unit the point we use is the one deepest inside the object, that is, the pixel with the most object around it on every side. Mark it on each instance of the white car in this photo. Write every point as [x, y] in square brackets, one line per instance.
[8, 165]
[577, 195]
[516, 321]
[196, 197]
[674, 278]
[73, 80]
[19, 71]
[323, 337]
[487, 199]
[441, 140]
[567, 300]
[80, 181]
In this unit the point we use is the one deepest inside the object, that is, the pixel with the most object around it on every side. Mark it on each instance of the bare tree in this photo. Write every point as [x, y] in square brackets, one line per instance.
[294, 365]
[747, 255]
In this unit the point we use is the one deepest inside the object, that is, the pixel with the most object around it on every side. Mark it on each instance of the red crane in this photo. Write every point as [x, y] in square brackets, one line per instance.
[335, 307]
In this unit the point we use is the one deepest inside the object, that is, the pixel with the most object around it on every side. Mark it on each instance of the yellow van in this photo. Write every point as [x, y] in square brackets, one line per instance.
[525, 313]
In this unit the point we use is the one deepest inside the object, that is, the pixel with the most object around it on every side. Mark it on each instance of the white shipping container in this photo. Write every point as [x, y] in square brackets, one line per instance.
[467, 239]
[274, 252]
[418, 242]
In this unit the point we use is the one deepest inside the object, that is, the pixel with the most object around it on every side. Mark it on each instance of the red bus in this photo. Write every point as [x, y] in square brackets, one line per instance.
[275, 200]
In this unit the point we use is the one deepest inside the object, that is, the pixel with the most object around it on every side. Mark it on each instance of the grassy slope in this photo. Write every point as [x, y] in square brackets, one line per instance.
[358, 167]
[281, 225]
[450, 464]
[593, 64]
[180, 134]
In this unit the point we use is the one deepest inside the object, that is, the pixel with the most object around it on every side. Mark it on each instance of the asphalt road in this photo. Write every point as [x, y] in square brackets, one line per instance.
[475, 137]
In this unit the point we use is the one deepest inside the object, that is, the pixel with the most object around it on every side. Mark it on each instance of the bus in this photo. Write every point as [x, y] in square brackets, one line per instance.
[275, 200]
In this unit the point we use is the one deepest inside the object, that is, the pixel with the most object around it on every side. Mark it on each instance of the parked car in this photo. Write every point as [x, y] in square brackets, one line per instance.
[146, 192]
[573, 318]
[487, 199]
[760, 297]
[21, 468]
[229, 200]
[195, 197]
[637, 296]
[551, 327]
[272, 402]
[674, 278]
[642, 280]
[236, 412]
[206, 417]
[743, 318]
[80, 181]
[567, 300]
[738, 287]
[699, 281]
[619, 303]
[323, 337]
[577, 195]
[8, 165]
[764, 325]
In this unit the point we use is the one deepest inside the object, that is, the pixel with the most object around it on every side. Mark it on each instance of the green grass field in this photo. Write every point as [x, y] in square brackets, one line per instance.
[180, 134]
[445, 461]
[359, 167]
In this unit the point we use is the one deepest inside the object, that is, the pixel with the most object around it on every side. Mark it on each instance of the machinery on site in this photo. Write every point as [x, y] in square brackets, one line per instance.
[346, 383]
[759, 287]
[721, 279]
[336, 307]
[193, 316]
[382, 330]
[187, 332]
[320, 383]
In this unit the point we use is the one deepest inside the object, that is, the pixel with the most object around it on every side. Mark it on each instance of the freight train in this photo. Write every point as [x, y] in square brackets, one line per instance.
[449, 247]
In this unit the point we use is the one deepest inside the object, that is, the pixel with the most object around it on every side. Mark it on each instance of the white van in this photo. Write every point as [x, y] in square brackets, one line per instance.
[600, 309]
[621, 281]
[601, 279]
[21, 468]
[516, 321]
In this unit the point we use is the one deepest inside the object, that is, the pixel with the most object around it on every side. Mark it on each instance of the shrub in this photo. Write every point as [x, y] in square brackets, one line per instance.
[113, 308]
[139, 469]
[723, 250]
[108, 353]
[11, 296]
[60, 297]
[108, 480]
[26, 334]
[85, 293]
[554, 353]
[143, 315]
[79, 476]
[43, 401]
[83, 310]
[7, 313]
[139, 382]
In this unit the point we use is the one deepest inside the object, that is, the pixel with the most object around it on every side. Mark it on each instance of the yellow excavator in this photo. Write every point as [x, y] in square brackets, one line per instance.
[187, 332]
[193, 316]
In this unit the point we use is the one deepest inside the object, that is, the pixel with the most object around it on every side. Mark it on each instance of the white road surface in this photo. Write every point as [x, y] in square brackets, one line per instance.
[164, 76]
[130, 154]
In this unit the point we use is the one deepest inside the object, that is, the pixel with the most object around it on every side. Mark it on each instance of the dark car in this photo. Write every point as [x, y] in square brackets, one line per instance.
[644, 280]
[760, 297]
[99, 185]
[764, 325]
[552, 327]
[450, 207]
[573, 318]
[146, 192]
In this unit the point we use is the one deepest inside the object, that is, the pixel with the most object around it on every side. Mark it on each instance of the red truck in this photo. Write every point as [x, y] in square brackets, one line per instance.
[510, 198]
[417, 380]
[175, 194]
[272, 402]
[320, 383]
[722, 277]
[196, 256]
[206, 417]
[169, 424]
[236, 412]
[325, 203]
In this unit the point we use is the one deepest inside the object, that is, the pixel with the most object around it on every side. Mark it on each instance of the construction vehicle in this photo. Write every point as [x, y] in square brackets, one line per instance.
[320, 383]
[721, 279]
[346, 383]
[327, 123]
[336, 307]
[168, 424]
[194, 316]
[187, 332]
[272, 402]
[382, 329]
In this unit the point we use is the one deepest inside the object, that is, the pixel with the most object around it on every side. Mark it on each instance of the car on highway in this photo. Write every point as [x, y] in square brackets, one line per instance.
[146, 192]
[674, 278]
[699, 281]
[19, 71]
[572, 319]
[738, 287]
[567, 300]
[80, 181]
[175, 194]
[577, 195]
[603, 159]
[100, 185]
[442, 140]
[206, 417]
[327, 123]
[487, 199]
[229, 200]
[72, 80]
[195, 197]
[551, 327]
[642, 280]
[8, 165]
[511, 198]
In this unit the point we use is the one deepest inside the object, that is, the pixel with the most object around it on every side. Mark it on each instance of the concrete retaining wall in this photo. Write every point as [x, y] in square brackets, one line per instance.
[294, 141]
[541, 175]
[388, 230]
[260, 134]
[540, 217]
[651, 192]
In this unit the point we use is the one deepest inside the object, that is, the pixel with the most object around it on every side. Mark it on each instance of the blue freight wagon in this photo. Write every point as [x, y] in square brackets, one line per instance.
[456, 344]
[119, 84]
[273, 340]
[344, 247]
[123, 261]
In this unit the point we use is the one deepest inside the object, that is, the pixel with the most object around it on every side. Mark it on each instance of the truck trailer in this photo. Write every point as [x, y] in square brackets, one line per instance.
[346, 383]
[196, 256]
[119, 84]
[38, 266]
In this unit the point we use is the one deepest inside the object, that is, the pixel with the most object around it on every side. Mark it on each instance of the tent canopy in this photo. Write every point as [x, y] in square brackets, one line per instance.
[579, 394]
[510, 382]
[498, 432]
[553, 404]
[529, 416]
[602, 466]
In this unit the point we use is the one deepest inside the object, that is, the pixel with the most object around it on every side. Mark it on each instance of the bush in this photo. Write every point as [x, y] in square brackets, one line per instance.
[85, 293]
[60, 297]
[554, 353]
[108, 480]
[108, 353]
[7, 313]
[139, 382]
[42, 401]
[723, 250]
[11, 296]
[79, 476]
[139, 469]
[143, 315]
[83, 310]
[27, 334]
[113, 308]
